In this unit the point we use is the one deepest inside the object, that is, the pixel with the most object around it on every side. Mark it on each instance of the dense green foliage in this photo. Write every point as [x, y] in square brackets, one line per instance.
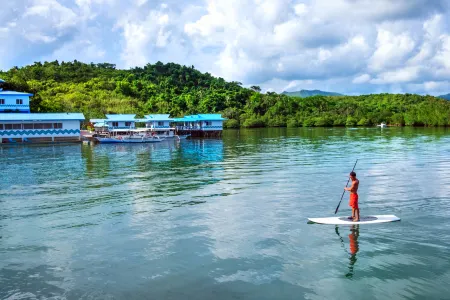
[309, 93]
[97, 89]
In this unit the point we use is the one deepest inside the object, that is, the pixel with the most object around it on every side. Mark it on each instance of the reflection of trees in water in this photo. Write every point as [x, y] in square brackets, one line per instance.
[97, 162]
[323, 137]
[353, 247]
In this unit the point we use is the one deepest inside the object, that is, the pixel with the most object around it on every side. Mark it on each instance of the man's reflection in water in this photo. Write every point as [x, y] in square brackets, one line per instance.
[353, 247]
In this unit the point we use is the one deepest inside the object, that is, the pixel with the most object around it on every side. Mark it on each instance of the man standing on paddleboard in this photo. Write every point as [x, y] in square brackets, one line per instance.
[353, 189]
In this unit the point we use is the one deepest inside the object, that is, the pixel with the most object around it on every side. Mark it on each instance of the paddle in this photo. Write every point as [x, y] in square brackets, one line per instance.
[337, 208]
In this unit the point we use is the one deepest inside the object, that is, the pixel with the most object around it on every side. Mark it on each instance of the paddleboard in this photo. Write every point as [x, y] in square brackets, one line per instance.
[363, 220]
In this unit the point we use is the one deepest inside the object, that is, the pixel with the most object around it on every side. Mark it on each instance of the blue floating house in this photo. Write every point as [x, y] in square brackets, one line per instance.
[17, 124]
[204, 122]
[159, 124]
[158, 121]
[11, 101]
[40, 127]
[200, 125]
[117, 122]
[128, 121]
[121, 121]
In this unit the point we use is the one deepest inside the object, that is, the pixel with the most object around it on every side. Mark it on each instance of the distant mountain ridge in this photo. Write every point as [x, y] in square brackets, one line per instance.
[309, 93]
[446, 97]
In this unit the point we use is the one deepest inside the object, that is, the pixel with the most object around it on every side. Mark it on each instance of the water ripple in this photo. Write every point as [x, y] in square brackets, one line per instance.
[226, 218]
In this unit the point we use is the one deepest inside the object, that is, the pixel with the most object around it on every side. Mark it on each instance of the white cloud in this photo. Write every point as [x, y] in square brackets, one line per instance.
[369, 11]
[285, 44]
[392, 50]
[408, 74]
[434, 85]
[298, 84]
[301, 9]
[51, 11]
[430, 87]
[443, 53]
[91, 52]
[362, 78]
[143, 35]
[37, 37]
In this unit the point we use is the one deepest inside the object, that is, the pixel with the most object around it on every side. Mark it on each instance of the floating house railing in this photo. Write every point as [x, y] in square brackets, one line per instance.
[192, 127]
[150, 126]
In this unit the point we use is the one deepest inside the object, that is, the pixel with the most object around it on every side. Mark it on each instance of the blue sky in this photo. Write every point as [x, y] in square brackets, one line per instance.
[347, 46]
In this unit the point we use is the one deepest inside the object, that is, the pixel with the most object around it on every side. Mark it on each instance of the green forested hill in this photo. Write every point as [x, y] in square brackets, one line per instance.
[98, 89]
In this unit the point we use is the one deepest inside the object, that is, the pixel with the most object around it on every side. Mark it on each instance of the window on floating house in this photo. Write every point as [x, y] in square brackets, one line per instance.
[160, 123]
[115, 124]
[38, 126]
[47, 125]
[8, 126]
[208, 123]
[28, 126]
[127, 124]
[19, 101]
[2, 101]
[1, 126]
[17, 126]
[57, 125]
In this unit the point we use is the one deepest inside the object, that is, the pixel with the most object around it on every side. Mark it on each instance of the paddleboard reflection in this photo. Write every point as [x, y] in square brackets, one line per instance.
[352, 249]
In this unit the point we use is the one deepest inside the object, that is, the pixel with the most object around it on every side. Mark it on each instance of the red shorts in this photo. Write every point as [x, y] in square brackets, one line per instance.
[354, 201]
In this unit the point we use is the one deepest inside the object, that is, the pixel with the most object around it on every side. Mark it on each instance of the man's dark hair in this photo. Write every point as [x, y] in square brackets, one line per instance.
[353, 174]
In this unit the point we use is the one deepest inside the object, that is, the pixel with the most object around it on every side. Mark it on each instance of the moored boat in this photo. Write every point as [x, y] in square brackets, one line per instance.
[167, 133]
[128, 136]
[128, 139]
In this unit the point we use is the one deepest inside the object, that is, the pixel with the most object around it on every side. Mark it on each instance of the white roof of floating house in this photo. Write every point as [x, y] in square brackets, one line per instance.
[200, 117]
[12, 93]
[41, 116]
[132, 118]
[159, 117]
[121, 117]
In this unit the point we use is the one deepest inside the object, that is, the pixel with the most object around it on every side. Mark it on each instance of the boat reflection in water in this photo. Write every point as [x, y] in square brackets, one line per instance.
[353, 247]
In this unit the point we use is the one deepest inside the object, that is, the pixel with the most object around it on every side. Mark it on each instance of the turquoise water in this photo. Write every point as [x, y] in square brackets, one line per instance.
[226, 219]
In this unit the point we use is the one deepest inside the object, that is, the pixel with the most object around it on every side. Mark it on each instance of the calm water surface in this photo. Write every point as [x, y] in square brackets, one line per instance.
[226, 219]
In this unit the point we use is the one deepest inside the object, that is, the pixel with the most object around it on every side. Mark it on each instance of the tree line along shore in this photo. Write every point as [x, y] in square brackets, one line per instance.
[99, 89]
